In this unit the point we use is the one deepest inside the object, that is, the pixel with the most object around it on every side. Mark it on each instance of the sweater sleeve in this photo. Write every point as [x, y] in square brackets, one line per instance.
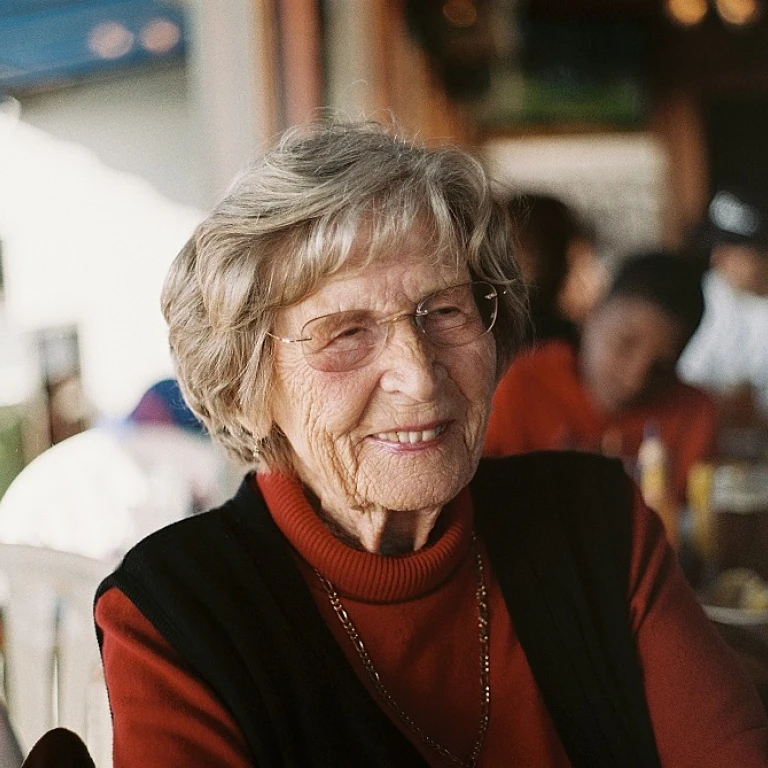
[162, 714]
[704, 709]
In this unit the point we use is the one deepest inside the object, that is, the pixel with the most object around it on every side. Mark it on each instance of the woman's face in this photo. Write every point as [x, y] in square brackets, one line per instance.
[405, 431]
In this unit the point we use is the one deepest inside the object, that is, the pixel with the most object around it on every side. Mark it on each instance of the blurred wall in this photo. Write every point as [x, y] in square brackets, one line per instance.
[144, 123]
[618, 182]
[105, 179]
[86, 245]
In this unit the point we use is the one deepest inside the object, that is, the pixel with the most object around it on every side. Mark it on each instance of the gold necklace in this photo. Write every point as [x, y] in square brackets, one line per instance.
[481, 594]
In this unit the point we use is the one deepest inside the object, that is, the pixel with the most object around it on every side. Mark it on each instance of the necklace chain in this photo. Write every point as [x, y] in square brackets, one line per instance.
[481, 595]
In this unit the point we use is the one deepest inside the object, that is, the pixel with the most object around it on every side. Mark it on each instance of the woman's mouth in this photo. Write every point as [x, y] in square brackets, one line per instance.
[412, 437]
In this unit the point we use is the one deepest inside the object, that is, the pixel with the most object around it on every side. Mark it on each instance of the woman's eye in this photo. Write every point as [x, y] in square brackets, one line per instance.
[446, 314]
[347, 335]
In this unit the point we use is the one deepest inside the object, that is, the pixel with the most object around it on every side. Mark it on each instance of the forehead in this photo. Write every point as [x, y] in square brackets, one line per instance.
[390, 283]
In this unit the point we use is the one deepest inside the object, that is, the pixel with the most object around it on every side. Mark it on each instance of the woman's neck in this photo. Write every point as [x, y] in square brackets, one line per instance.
[378, 530]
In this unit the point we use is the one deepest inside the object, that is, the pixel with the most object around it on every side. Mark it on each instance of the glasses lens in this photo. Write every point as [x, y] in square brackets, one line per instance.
[459, 315]
[342, 341]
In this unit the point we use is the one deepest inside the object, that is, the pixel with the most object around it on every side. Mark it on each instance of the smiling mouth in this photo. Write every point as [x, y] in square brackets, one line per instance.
[412, 437]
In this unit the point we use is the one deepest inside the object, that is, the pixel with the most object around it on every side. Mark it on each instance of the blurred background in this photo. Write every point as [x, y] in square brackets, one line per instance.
[123, 121]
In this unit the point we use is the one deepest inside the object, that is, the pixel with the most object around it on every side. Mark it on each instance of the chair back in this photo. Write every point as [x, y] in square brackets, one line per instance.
[52, 670]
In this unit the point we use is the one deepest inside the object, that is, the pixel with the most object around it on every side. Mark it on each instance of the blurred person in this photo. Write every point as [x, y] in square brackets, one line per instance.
[728, 355]
[148, 468]
[172, 442]
[372, 594]
[163, 403]
[605, 394]
[556, 253]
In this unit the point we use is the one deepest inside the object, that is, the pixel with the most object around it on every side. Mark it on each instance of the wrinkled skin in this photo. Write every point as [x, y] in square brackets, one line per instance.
[628, 353]
[382, 494]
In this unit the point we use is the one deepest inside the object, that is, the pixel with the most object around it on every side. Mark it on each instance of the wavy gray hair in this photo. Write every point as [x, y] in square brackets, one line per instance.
[290, 221]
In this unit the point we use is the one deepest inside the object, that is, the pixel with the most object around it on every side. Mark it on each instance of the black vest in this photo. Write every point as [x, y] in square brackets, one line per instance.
[223, 589]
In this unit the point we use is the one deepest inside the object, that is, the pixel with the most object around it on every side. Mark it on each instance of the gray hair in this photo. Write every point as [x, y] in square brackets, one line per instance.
[290, 221]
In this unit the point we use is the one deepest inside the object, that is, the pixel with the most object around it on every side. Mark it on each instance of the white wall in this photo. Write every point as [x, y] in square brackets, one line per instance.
[144, 123]
[87, 245]
[617, 181]
[102, 183]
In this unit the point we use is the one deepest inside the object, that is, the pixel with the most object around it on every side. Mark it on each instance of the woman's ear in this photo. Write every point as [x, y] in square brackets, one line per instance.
[256, 427]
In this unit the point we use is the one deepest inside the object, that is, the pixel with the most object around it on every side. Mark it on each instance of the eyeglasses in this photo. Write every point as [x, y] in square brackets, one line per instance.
[345, 341]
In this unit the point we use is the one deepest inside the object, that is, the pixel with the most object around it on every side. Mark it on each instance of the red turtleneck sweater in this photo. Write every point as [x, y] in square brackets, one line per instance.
[417, 617]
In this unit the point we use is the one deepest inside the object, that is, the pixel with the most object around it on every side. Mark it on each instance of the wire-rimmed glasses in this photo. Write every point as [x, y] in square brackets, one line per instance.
[451, 317]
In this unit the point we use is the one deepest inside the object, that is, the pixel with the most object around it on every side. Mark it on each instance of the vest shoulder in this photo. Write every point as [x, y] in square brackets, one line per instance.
[206, 540]
[581, 493]
[555, 464]
[203, 527]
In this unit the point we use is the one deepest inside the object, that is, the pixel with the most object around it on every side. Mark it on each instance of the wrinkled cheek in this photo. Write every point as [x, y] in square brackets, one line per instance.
[339, 465]
[476, 432]
[480, 409]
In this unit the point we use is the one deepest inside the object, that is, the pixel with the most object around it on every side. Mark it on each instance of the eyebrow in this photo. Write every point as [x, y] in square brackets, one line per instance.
[384, 313]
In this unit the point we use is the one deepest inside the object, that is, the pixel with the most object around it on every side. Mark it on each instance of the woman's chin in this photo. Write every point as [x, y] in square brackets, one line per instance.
[424, 490]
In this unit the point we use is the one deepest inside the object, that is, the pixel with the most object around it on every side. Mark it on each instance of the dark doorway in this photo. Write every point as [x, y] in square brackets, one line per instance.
[737, 135]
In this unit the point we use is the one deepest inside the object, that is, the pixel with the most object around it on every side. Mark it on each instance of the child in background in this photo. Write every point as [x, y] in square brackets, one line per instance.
[603, 394]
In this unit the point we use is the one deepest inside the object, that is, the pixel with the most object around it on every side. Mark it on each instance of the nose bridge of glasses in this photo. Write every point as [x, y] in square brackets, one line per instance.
[409, 354]
[416, 336]
[415, 316]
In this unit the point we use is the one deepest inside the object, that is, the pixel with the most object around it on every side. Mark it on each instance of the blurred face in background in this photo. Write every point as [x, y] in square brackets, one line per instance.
[585, 282]
[628, 352]
[744, 267]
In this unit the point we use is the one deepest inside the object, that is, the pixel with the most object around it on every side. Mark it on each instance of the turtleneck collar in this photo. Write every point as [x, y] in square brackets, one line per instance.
[364, 575]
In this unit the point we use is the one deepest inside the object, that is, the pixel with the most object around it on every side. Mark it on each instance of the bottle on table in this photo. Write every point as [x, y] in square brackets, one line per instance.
[655, 485]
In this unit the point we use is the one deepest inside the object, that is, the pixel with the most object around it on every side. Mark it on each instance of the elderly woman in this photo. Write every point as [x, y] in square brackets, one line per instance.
[375, 595]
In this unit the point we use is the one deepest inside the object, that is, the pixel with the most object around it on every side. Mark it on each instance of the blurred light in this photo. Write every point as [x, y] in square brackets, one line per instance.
[110, 40]
[688, 13]
[738, 12]
[460, 13]
[160, 36]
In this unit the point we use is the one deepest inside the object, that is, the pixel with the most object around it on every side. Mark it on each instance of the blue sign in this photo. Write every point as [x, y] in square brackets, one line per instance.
[44, 42]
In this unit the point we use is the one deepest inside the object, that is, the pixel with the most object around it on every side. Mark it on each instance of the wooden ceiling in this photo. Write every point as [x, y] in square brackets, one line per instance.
[587, 9]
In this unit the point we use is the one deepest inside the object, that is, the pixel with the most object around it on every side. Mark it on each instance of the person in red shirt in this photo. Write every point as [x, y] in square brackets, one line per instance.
[604, 394]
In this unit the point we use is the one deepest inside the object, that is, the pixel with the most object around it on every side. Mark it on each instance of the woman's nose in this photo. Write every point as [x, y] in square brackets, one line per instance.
[410, 362]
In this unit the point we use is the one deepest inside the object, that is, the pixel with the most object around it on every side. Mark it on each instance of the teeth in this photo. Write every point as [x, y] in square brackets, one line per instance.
[411, 437]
